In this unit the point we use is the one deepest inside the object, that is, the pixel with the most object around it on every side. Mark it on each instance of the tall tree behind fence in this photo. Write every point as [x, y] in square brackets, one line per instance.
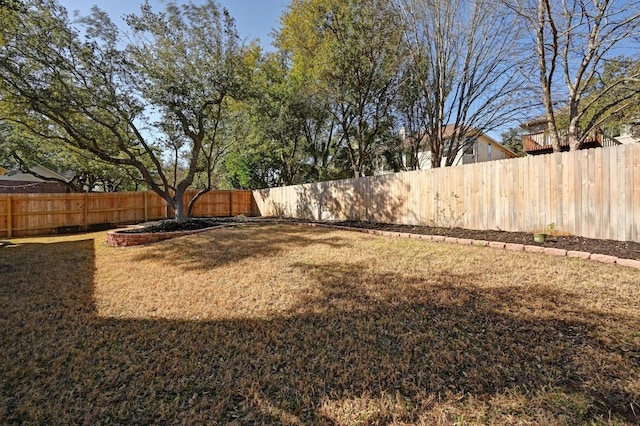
[591, 193]
[37, 214]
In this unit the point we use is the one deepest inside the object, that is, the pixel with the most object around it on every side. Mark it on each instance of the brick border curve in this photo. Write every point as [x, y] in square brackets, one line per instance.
[125, 239]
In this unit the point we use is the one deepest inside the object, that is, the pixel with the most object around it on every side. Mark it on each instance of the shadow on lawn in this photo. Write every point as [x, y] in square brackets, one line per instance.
[222, 246]
[392, 340]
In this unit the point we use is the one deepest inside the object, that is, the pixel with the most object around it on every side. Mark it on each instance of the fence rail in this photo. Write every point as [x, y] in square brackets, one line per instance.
[37, 214]
[593, 193]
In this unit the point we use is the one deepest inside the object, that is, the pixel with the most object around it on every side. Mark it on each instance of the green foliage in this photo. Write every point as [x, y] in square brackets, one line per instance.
[9, 16]
[250, 169]
[22, 150]
[127, 104]
[613, 96]
[278, 116]
[348, 52]
[512, 139]
[611, 99]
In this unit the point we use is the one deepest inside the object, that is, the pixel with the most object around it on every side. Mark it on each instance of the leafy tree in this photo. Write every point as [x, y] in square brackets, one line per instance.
[319, 130]
[278, 117]
[291, 126]
[20, 150]
[348, 52]
[512, 139]
[612, 97]
[117, 103]
[9, 16]
[251, 168]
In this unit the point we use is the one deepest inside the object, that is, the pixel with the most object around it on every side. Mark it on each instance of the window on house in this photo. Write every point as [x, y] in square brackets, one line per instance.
[470, 146]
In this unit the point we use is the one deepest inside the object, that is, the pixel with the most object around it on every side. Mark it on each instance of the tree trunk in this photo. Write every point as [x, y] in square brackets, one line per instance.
[437, 149]
[196, 197]
[553, 131]
[573, 137]
[547, 72]
[180, 211]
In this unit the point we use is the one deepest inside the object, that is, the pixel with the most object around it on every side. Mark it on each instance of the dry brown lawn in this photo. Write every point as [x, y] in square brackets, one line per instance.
[297, 325]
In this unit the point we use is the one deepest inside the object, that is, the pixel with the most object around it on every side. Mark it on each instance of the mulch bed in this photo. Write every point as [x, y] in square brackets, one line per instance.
[621, 249]
[173, 226]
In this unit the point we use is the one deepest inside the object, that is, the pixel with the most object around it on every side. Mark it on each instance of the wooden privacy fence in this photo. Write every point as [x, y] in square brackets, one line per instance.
[33, 214]
[592, 193]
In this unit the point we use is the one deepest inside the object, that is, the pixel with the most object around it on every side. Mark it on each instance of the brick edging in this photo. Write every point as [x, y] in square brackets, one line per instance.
[631, 263]
[124, 239]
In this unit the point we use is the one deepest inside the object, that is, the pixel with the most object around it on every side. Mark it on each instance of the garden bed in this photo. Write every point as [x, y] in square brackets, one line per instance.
[161, 230]
[620, 249]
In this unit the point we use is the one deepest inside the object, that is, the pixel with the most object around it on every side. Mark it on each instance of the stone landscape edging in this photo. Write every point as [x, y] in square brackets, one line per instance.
[122, 239]
[552, 251]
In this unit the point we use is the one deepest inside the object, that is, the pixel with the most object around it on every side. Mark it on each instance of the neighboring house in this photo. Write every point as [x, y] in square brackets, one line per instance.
[479, 148]
[628, 134]
[537, 140]
[18, 182]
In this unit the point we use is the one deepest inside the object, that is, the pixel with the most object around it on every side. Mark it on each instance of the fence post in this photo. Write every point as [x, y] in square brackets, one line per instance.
[9, 224]
[146, 206]
[86, 211]
[230, 203]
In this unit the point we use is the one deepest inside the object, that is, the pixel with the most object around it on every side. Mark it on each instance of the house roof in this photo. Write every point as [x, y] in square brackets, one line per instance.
[507, 152]
[537, 121]
[22, 177]
[627, 140]
[38, 170]
[450, 128]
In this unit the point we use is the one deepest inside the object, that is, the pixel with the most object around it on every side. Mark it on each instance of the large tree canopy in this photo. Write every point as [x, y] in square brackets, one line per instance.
[21, 150]
[349, 52]
[124, 102]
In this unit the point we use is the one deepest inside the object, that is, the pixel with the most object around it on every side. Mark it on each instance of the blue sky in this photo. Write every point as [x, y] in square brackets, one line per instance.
[254, 18]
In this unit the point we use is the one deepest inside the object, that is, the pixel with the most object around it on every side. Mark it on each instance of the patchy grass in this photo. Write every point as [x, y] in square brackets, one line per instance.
[295, 325]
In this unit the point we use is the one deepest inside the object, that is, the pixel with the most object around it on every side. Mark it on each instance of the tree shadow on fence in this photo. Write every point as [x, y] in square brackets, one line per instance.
[360, 346]
[373, 198]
